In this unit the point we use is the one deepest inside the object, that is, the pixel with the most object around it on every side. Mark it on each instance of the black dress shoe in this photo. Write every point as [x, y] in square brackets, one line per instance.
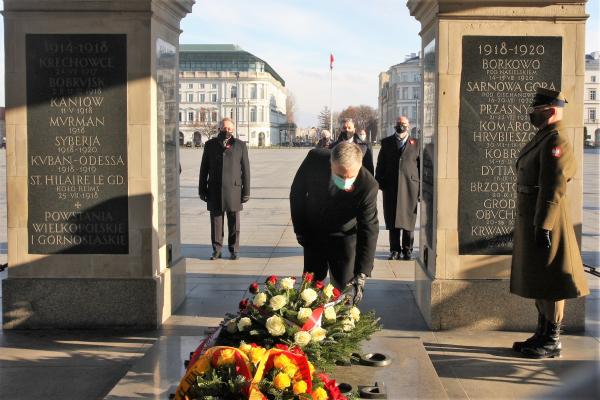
[215, 255]
[394, 255]
[234, 256]
[406, 255]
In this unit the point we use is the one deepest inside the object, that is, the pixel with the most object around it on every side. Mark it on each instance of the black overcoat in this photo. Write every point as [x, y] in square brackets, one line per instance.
[224, 175]
[366, 149]
[318, 210]
[398, 175]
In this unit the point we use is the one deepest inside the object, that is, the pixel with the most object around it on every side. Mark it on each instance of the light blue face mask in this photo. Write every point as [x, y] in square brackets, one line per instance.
[342, 184]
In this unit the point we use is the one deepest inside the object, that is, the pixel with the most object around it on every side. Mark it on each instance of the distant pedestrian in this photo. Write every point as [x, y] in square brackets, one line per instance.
[348, 134]
[546, 262]
[325, 140]
[398, 175]
[224, 185]
[333, 203]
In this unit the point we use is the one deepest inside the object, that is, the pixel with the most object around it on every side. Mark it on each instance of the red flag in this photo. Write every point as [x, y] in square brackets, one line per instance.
[331, 61]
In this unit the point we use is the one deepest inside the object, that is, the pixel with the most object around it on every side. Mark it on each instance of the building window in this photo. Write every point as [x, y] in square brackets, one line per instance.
[202, 86]
[214, 86]
[234, 92]
[253, 91]
[190, 86]
[404, 93]
[180, 116]
[416, 93]
[253, 114]
[261, 91]
[593, 78]
[202, 116]
[191, 116]
[190, 97]
[213, 116]
[261, 114]
[231, 113]
[405, 111]
[593, 94]
[202, 98]
[592, 114]
[213, 97]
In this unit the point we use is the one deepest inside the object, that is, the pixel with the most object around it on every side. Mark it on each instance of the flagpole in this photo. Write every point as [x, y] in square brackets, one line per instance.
[331, 96]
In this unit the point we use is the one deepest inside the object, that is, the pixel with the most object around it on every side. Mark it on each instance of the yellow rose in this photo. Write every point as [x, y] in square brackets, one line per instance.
[348, 324]
[281, 362]
[277, 302]
[355, 313]
[290, 370]
[300, 387]
[329, 313]
[304, 313]
[308, 295]
[275, 326]
[246, 348]
[311, 368]
[287, 283]
[328, 290]
[282, 381]
[318, 334]
[256, 354]
[260, 299]
[226, 356]
[231, 326]
[302, 338]
[319, 394]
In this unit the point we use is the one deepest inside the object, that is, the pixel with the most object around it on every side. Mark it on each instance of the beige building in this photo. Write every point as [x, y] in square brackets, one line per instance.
[591, 99]
[400, 94]
[223, 80]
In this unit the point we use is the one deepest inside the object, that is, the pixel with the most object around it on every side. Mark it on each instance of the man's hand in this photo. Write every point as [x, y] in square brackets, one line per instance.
[358, 284]
[245, 199]
[542, 238]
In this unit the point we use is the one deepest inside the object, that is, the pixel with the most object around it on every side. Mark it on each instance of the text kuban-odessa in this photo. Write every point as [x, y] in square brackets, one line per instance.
[87, 160]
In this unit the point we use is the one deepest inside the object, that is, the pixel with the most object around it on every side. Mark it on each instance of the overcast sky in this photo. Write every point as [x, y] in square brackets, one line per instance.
[296, 37]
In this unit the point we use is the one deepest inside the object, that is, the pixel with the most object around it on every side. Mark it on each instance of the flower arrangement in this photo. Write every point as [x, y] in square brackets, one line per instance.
[255, 373]
[312, 316]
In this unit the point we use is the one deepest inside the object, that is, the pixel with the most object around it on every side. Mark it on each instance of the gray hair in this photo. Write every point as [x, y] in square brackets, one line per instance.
[225, 120]
[346, 154]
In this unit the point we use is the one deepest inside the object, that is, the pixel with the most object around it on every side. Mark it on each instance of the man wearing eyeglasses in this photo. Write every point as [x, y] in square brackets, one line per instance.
[546, 262]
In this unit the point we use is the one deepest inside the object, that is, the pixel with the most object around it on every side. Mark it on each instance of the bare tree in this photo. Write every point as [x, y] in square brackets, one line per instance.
[365, 117]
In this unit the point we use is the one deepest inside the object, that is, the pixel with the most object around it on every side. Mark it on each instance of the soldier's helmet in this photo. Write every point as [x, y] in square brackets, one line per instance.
[547, 97]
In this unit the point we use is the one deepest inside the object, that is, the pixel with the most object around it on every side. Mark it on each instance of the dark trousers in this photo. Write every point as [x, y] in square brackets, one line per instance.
[233, 230]
[408, 239]
[335, 254]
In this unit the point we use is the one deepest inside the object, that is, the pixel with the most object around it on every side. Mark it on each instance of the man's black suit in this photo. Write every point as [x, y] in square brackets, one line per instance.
[338, 229]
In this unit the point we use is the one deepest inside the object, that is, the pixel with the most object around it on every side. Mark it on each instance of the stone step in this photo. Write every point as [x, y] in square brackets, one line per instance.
[410, 375]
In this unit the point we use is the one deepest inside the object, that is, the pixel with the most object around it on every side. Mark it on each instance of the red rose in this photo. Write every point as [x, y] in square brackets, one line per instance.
[244, 304]
[336, 293]
[308, 276]
[319, 285]
[282, 347]
[271, 280]
[254, 288]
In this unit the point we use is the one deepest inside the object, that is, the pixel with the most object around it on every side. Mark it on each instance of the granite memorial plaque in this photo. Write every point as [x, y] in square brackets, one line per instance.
[500, 75]
[77, 143]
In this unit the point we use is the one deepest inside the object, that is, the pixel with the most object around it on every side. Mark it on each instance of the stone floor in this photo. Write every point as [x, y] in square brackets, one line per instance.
[470, 365]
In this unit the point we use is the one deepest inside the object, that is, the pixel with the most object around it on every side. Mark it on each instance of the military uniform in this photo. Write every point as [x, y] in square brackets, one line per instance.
[546, 262]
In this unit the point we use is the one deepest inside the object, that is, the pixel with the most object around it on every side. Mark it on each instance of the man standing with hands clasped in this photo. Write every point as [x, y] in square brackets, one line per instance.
[398, 175]
[224, 185]
[333, 203]
[546, 263]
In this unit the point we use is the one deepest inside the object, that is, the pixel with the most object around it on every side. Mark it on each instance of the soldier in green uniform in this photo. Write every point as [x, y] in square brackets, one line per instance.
[546, 262]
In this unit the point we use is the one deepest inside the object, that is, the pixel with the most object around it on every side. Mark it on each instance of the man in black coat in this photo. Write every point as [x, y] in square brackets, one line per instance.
[398, 176]
[348, 134]
[333, 203]
[224, 185]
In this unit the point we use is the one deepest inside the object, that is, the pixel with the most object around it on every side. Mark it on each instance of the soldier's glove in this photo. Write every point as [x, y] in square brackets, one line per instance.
[542, 238]
[358, 285]
[245, 199]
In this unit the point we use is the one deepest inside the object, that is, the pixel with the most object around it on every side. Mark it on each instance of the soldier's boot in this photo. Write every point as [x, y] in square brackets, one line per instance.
[539, 331]
[548, 346]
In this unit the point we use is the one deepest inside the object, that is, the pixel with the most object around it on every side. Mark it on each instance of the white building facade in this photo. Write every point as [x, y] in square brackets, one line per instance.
[400, 94]
[591, 99]
[217, 81]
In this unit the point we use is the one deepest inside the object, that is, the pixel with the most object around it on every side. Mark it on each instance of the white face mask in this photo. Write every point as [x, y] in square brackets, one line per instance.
[363, 137]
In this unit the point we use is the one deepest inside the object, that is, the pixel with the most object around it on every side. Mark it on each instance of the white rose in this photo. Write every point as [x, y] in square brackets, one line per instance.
[231, 326]
[287, 283]
[329, 313]
[304, 314]
[243, 323]
[318, 334]
[302, 338]
[308, 295]
[275, 326]
[277, 302]
[355, 313]
[328, 290]
[347, 324]
[260, 299]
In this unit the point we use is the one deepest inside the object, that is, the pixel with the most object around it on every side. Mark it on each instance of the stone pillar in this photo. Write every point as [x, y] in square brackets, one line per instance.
[482, 62]
[92, 163]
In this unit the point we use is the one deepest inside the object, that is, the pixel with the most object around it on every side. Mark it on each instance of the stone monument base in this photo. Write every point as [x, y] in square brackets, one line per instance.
[92, 303]
[482, 304]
